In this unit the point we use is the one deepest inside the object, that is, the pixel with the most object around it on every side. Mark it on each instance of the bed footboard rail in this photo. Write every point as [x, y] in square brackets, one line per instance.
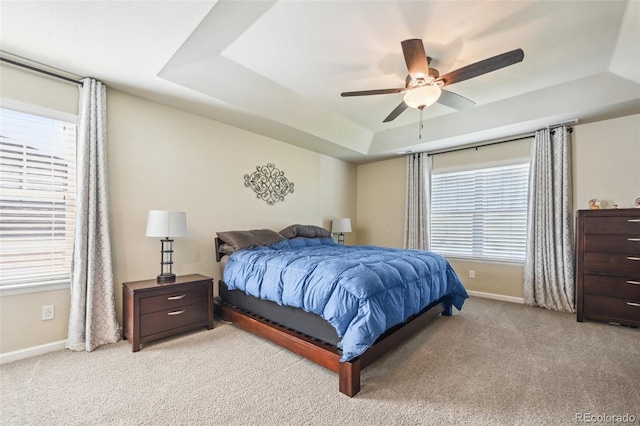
[326, 355]
[314, 350]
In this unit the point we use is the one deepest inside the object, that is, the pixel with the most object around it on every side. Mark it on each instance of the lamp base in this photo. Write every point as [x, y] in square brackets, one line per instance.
[166, 278]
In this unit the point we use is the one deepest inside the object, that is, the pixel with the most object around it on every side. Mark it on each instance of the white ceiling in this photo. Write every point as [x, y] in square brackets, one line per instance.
[277, 68]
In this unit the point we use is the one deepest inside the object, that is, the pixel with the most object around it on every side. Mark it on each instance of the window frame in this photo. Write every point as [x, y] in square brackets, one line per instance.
[12, 290]
[476, 167]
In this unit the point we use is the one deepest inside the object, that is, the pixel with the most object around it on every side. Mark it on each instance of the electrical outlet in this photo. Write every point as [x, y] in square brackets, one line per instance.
[48, 312]
[472, 273]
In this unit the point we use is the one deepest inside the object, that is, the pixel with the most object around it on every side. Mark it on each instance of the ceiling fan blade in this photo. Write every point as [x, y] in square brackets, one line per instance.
[455, 101]
[372, 92]
[483, 67]
[415, 58]
[396, 112]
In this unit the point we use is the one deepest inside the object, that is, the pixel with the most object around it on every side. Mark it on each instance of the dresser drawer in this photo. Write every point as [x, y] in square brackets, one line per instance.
[612, 309]
[620, 287]
[170, 319]
[625, 225]
[178, 298]
[612, 262]
[612, 244]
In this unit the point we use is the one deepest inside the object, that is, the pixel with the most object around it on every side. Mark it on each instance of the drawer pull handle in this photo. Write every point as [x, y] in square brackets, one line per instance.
[633, 282]
[182, 311]
[633, 239]
[637, 305]
[633, 258]
[176, 297]
[633, 220]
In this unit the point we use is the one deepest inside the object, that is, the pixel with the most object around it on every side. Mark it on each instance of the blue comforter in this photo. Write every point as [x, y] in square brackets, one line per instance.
[360, 290]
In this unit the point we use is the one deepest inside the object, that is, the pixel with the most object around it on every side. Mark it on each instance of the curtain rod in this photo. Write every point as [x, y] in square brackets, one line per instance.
[481, 145]
[527, 136]
[32, 68]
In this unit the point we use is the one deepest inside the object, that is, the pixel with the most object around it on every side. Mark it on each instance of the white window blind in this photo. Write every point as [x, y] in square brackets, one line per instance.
[37, 199]
[480, 213]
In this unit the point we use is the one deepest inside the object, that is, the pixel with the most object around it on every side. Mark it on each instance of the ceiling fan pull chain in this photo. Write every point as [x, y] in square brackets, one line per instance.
[421, 126]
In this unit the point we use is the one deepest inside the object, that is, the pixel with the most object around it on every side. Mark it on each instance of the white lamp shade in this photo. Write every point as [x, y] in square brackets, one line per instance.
[163, 223]
[422, 96]
[341, 225]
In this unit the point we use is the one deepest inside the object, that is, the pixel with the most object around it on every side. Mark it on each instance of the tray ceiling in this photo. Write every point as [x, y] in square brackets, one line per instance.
[278, 68]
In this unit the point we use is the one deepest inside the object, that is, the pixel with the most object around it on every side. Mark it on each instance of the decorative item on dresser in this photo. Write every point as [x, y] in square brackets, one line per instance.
[153, 310]
[608, 266]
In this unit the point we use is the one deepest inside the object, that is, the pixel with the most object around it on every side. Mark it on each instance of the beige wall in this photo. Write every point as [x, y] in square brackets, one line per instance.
[606, 165]
[36, 89]
[381, 198]
[163, 158]
[607, 162]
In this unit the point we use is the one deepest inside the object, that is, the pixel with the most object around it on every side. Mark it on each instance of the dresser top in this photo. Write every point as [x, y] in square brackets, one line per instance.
[610, 212]
[149, 284]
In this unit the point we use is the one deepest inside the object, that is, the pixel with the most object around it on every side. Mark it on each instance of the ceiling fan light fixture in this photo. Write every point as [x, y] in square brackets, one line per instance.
[422, 97]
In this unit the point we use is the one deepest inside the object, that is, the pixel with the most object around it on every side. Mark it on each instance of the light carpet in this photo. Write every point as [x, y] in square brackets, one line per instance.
[493, 363]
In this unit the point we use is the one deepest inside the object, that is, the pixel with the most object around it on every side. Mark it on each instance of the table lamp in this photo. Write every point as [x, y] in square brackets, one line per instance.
[340, 226]
[166, 224]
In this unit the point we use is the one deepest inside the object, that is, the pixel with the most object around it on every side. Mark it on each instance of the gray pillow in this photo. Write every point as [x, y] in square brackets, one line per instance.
[226, 249]
[306, 231]
[243, 239]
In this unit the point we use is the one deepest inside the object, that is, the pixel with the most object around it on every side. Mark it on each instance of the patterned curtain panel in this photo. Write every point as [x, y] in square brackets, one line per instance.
[549, 262]
[92, 321]
[416, 220]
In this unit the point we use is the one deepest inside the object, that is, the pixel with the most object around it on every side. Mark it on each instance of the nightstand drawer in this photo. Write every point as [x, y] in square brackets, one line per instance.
[170, 319]
[625, 225]
[613, 309]
[178, 298]
[621, 287]
[612, 262]
[612, 244]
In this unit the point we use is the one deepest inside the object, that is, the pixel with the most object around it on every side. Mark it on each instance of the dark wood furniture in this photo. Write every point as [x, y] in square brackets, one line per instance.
[153, 310]
[325, 354]
[608, 266]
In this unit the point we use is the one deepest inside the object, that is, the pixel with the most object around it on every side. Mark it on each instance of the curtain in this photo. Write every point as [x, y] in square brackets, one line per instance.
[416, 219]
[549, 262]
[92, 320]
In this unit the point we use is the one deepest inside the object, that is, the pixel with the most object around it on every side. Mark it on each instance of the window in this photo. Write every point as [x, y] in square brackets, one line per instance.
[480, 213]
[37, 199]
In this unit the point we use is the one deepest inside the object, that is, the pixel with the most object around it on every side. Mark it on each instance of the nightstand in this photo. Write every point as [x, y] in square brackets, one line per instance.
[152, 310]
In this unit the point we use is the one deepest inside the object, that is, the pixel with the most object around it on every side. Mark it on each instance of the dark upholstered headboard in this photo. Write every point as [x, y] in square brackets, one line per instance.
[230, 241]
[218, 243]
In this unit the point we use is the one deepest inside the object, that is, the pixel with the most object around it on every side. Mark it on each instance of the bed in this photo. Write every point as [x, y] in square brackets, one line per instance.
[342, 307]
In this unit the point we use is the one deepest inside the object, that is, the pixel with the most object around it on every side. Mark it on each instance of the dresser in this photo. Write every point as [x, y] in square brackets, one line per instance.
[608, 266]
[153, 310]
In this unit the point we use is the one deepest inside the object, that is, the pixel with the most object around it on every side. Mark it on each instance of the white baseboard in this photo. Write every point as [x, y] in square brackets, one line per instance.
[33, 351]
[511, 299]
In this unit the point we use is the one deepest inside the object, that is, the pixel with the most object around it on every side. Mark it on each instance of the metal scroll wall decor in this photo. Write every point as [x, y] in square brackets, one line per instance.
[269, 183]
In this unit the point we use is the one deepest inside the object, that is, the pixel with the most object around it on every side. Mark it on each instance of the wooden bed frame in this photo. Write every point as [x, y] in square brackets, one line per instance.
[328, 355]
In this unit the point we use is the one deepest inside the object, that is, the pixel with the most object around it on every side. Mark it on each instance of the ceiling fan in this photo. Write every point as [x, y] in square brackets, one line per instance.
[424, 85]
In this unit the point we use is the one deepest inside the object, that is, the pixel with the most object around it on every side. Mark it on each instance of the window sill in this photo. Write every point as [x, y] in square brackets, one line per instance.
[480, 260]
[15, 290]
